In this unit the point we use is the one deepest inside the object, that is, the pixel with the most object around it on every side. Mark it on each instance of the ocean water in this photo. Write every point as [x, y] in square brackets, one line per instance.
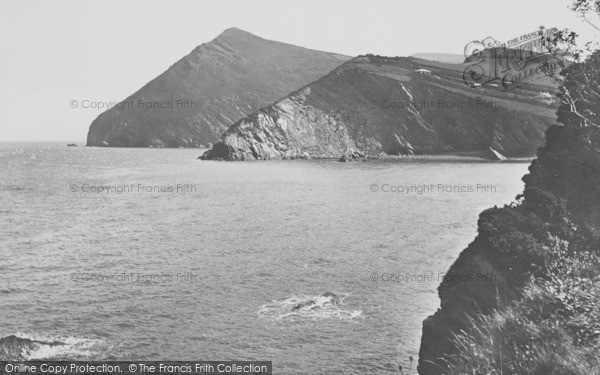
[151, 254]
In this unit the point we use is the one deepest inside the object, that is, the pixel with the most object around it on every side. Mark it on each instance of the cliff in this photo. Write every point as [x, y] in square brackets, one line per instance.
[537, 311]
[374, 105]
[200, 96]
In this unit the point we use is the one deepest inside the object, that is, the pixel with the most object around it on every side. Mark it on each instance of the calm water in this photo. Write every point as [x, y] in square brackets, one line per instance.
[213, 271]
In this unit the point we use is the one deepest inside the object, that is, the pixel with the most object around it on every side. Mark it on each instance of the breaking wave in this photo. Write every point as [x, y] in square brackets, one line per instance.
[28, 347]
[323, 306]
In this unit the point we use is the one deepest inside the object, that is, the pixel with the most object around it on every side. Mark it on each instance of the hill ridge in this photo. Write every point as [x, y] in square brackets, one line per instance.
[206, 91]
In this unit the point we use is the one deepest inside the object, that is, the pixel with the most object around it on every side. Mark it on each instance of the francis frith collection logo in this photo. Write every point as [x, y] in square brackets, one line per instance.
[512, 64]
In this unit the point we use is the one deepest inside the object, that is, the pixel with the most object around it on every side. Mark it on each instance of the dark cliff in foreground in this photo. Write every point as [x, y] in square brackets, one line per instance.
[201, 95]
[375, 105]
[538, 310]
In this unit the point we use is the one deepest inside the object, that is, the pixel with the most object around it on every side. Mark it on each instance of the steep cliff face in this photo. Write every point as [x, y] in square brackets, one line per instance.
[201, 95]
[384, 105]
[540, 306]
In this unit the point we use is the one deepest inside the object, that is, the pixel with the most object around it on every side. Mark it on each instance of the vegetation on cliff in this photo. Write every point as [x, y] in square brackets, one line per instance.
[540, 314]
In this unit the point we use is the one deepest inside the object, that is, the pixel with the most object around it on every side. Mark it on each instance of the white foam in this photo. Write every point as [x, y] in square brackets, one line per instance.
[71, 346]
[323, 308]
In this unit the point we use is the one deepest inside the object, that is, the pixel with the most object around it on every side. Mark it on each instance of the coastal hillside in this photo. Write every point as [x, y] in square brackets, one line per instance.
[452, 58]
[537, 311]
[374, 106]
[200, 96]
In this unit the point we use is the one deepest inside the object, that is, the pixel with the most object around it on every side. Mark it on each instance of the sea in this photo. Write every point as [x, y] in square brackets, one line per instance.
[319, 266]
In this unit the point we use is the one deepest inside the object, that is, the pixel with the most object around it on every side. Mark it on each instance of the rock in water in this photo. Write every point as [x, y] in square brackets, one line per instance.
[16, 348]
[352, 157]
[324, 300]
[201, 95]
[304, 305]
[334, 299]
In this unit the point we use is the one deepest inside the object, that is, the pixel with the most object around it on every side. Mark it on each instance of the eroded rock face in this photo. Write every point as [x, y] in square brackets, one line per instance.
[376, 105]
[200, 96]
[494, 155]
[287, 130]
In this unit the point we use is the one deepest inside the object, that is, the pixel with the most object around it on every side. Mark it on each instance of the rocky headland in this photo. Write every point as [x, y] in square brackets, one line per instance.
[200, 96]
[376, 106]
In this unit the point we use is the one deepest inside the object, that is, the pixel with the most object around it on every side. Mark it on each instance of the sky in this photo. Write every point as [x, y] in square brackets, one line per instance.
[54, 52]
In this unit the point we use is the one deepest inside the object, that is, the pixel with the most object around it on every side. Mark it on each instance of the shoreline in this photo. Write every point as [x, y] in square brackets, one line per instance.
[465, 156]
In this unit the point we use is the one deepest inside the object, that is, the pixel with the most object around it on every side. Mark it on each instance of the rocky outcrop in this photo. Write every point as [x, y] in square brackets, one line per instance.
[376, 105]
[324, 300]
[17, 348]
[288, 130]
[352, 157]
[200, 96]
[507, 276]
